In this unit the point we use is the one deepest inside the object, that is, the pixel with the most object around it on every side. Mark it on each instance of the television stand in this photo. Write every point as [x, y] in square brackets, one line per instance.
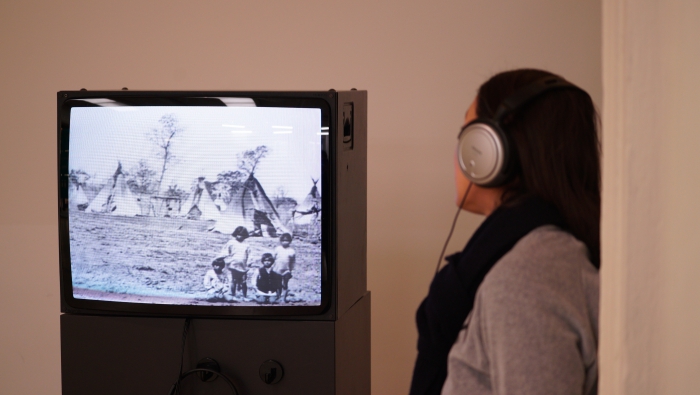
[141, 355]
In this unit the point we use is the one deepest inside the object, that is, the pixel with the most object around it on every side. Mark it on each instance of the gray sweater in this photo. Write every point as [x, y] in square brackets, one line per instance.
[534, 326]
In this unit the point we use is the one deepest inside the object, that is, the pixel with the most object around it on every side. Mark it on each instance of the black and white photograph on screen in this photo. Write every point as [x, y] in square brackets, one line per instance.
[196, 205]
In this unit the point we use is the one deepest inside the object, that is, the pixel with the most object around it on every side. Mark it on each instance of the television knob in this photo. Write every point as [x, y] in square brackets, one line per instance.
[271, 372]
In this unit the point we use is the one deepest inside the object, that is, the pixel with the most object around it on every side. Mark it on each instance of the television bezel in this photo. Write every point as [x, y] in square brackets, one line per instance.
[325, 101]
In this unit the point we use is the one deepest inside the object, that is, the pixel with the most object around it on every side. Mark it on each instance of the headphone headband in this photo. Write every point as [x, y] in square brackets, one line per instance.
[530, 92]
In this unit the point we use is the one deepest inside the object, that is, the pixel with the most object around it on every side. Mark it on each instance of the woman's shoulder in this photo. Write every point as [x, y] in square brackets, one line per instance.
[547, 261]
[534, 326]
[545, 248]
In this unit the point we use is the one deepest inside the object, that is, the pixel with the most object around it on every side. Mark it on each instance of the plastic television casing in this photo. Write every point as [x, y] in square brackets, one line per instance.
[343, 194]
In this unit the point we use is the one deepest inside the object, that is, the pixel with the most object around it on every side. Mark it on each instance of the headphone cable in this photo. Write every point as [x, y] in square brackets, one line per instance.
[454, 222]
[175, 389]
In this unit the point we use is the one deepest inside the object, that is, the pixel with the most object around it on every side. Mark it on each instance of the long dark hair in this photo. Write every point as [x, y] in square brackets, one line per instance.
[556, 144]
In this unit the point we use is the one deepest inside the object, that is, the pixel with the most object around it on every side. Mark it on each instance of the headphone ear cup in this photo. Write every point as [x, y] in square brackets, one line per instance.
[483, 150]
[483, 153]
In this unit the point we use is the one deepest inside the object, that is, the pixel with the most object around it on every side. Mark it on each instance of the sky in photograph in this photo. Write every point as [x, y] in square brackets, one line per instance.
[209, 143]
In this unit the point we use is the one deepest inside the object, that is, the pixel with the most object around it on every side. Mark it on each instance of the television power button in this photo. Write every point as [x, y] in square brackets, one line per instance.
[271, 372]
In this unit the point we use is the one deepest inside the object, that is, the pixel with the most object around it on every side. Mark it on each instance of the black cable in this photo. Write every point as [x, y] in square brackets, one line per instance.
[175, 389]
[184, 341]
[449, 236]
[186, 328]
[203, 370]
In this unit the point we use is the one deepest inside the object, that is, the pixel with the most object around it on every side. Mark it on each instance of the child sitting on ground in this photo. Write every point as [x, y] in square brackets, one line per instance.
[285, 257]
[217, 282]
[268, 282]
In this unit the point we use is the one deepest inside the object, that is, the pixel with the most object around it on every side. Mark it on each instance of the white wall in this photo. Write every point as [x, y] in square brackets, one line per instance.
[420, 61]
[650, 306]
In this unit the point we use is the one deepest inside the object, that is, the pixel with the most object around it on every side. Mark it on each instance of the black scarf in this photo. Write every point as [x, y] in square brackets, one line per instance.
[451, 297]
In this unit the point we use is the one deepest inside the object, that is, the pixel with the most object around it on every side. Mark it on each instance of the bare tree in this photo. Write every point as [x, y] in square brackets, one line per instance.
[248, 160]
[227, 183]
[141, 178]
[163, 137]
[78, 177]
[280, 198]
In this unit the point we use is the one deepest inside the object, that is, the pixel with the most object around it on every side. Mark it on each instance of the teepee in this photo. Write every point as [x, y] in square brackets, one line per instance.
[200, 205]
[251, 208]
[76, 196]
[115, 197]
[309, 210]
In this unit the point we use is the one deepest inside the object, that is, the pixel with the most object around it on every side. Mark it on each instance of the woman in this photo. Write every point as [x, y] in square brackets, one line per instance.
[517, 310]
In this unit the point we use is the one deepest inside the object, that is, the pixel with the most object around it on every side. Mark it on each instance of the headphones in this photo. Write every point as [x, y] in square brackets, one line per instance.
[484, 151]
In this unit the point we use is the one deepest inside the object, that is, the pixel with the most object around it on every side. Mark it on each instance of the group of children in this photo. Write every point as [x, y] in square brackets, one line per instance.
[229, 273]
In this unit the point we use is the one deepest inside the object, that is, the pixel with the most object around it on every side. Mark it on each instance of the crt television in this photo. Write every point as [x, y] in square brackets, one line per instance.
[212, 204]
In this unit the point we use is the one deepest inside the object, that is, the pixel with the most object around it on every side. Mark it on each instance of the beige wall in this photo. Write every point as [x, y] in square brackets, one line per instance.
[650, 306]
[420, 61]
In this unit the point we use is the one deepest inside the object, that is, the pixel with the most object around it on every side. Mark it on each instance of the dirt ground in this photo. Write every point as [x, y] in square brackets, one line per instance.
[163, 260]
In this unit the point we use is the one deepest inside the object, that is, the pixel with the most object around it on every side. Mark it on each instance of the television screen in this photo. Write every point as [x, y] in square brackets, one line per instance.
[195, 205]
